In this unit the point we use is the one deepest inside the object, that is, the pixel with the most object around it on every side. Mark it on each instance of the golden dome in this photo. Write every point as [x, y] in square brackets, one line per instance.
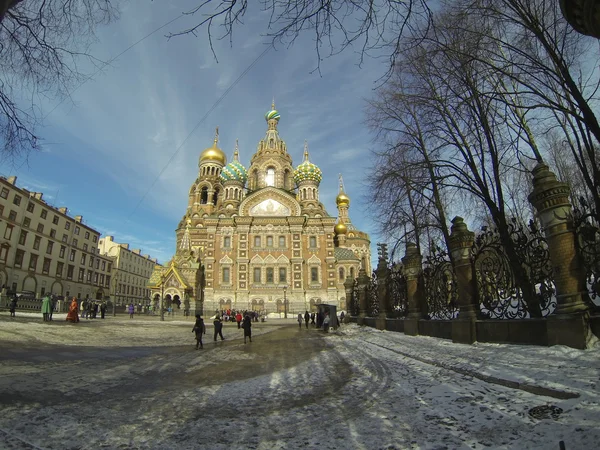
[342, 199]
[214, 153]
[340, 228]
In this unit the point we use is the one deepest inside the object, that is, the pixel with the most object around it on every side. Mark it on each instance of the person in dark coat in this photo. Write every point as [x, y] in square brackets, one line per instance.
[102, 310]
[218, 328]
[306, 318]
[199, 329]
[52, 306]
[13, 306]
[247, 326]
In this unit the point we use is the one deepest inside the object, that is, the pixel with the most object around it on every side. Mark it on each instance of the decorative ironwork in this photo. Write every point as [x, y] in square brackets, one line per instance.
[397, 291]
[587, 231]
[354, 305]
[499, 295]
[441, 288]
[372, 296]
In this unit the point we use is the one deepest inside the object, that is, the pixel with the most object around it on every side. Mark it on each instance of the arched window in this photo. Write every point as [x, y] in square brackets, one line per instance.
[215, 197]
[341, 274]
[204, 196]
[270, 178]
[286, 176]
[255, 180]
[352, 272]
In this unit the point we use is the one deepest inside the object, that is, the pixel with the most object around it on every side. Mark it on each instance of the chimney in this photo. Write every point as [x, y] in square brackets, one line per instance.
[12, 180]
[38, 195]
[137, 251]
[64, 210]
[78, 219]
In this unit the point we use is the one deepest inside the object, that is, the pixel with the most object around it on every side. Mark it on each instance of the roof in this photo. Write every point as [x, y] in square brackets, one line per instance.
[344, 254]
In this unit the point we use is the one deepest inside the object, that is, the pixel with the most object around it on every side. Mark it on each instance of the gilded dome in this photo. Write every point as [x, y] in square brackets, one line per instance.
[340, 228]
[307, 171]
[214, 153]
[342, 199]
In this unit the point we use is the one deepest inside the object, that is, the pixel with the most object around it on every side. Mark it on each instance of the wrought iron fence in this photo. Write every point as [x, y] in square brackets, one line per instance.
[397, 291]
[372, 296]
[587, 231]
[354, 305]
[441, 288]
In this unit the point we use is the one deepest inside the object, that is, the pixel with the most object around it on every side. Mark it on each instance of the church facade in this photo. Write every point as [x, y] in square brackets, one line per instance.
[258, 238]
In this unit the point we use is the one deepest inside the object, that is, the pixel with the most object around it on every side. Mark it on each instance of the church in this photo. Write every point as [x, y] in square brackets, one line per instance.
[258, 238]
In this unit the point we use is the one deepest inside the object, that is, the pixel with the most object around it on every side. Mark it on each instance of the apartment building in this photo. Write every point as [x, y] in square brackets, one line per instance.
[130, 271]
[43, 249]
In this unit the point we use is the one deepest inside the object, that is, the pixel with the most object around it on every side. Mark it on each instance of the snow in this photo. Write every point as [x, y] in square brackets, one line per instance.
[138, 383]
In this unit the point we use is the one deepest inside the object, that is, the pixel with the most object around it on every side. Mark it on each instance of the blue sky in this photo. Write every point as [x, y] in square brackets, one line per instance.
[105, 149]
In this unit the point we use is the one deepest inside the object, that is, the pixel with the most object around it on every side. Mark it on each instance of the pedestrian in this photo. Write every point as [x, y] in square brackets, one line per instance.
[52, 305]
[312, 318]
[238, 319]
[131, 310]
[102, 310]
[199, 329]
[247, 326]
[46, 307]
[83, 306]
[306, 318]
[73, 314]
[326, 323]
[342, 315]
[300, 320]
[13, 305]
[88, 309]
[218, 327]
[94, 310]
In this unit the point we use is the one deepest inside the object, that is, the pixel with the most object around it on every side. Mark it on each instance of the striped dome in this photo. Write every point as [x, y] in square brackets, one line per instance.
[307, 171]
[234, 171]
[273, 114]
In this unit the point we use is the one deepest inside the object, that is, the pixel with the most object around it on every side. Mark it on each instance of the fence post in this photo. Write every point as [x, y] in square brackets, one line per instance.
[382, 272]
[569, 325]
[349, 288]
[412, 268]
[461, 242]
[363, 283]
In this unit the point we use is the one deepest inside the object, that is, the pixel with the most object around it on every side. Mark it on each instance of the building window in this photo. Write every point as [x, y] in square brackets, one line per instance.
[40, 228]
[49, 247]
[269, 241]
[94, 239]
[108, 267]
[282, 275]
[8, 231]
[36, 242]
[97, 264]
[75, 242]
[225, 274]
[91, 261]
[55, 220]
[3, 253]
[270, 177]
[59, 269]
[103, 265]
[83, 259]
[53, 233]
[257, 241]
[269, 275]
[61, 254]
[22, 237]
[4, 193]
[19, 255]
[77, 231]
[65, 237]
[227, 242]
[1, 210]
[87, 234]
[67, 225]
[70, 270]
[314, 274]
[72, 256]
[89, 276]
[12, 216]
[85, 247]
[30, 207]
[257, 274]
[33, 262]
[96, 280]
[44, 213]
[26, 222]
[46, 266]
[282, 241]
[341, 274]
[81, 276]
[312, 242]
[17, 200]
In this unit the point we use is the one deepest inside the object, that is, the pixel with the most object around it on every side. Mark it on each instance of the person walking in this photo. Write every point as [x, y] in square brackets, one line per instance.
[52, 306]
[13, 306]
[238, 319]
[199, 329]
[73, 314]
[131, 310]
[306, 318]
[46, 308]
[218, 328]
[102, 310]
[326, 323]
[300, 320]
[247, 326]
[83, 308]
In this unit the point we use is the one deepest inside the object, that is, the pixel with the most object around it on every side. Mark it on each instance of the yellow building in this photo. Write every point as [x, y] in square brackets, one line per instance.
[259, 238]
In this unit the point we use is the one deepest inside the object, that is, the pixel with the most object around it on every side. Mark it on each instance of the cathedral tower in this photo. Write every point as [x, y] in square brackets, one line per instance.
[233, 177]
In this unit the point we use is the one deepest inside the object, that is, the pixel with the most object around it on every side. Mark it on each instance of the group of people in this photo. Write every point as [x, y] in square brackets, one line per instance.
[322, 319]
[244, 322]
[90, 308]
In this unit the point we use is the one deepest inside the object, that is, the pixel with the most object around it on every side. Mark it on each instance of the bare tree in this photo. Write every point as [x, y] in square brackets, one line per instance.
[42, 44]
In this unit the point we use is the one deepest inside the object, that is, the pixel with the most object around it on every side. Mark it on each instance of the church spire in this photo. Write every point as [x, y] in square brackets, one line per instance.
[186, 243]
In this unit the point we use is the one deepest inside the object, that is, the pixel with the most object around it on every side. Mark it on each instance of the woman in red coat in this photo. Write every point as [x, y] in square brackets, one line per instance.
[73, 314]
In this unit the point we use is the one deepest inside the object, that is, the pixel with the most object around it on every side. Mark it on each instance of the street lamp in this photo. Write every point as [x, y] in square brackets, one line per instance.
[113, 302]
[162, 295]
[284, 303]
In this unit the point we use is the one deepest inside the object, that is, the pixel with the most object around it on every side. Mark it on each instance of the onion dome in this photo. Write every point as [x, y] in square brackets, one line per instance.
[307, 171]
[340, 228]
[234, 170]
[273, 114]
[214, 153]
[342, 199]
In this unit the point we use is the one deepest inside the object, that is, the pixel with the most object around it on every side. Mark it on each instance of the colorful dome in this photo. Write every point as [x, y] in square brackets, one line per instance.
[214, 153]
[342, 199]
[234, 171]
[340, 228]
[272, 115]
[307, 171]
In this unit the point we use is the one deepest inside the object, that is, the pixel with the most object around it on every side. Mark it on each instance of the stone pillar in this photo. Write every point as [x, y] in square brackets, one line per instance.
[461, 243]
[382, 273]
[349, 288]
[569, 325]
[363, 283]
[412, 268]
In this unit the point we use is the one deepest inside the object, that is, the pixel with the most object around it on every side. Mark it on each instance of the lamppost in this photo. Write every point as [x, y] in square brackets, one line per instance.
[162, 295]
[113, 302]
[284, 302]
